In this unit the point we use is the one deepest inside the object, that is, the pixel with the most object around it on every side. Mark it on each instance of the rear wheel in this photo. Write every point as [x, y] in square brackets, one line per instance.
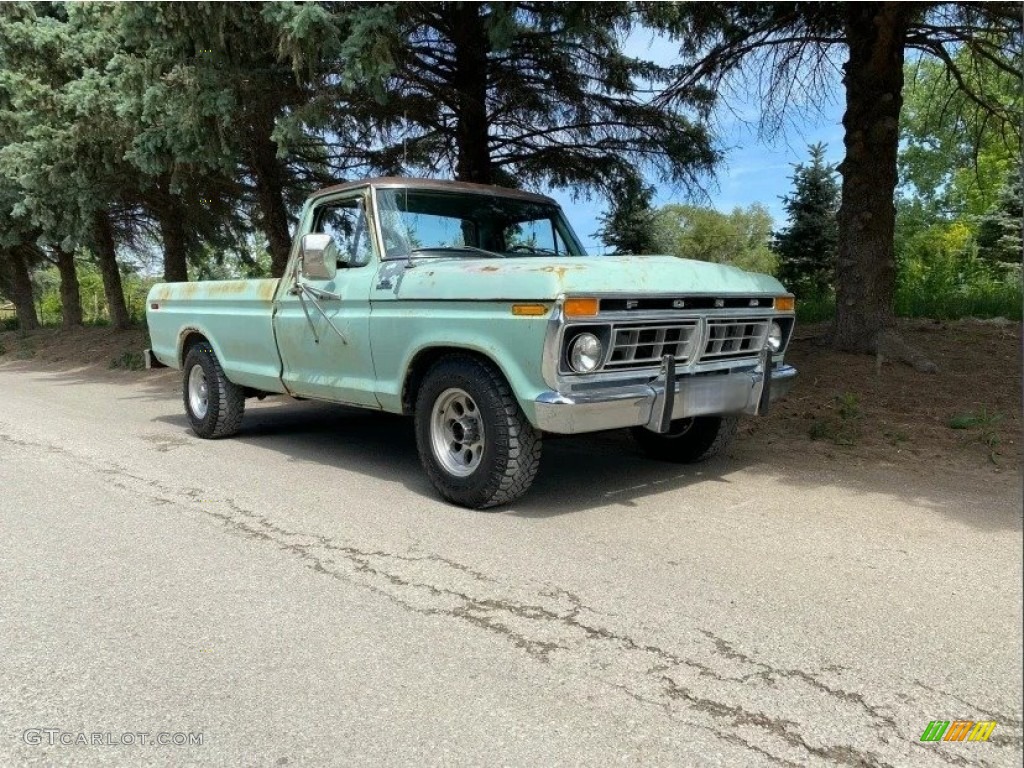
[474, 441]
[688, 440]
[213, 404]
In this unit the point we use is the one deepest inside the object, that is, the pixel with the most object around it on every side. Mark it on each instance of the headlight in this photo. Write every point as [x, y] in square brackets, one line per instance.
[775, 337]
[586, 353]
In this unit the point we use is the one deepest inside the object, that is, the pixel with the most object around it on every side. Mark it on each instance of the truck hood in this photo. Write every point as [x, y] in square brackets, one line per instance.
[543, 279]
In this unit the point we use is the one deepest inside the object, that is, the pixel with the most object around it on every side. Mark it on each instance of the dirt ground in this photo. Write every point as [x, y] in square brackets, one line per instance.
[843, 408]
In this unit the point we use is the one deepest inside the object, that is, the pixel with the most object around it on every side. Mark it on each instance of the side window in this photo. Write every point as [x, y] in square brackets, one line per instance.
[345, 221]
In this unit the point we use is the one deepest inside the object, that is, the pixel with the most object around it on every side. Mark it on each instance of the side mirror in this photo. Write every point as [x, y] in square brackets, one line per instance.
[318, 257]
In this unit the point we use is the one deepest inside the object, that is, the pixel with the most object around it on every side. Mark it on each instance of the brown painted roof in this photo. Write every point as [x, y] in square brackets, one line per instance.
[444, 185]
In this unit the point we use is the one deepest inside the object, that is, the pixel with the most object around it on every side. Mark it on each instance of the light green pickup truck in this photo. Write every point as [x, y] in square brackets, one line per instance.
[475, 310]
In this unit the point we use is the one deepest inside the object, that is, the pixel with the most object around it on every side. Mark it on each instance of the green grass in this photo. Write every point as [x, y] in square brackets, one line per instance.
[3, 350]
[938, 302]
[843, 426]
[129, 360]
[984, 427]
[815, 309]
[981, 301]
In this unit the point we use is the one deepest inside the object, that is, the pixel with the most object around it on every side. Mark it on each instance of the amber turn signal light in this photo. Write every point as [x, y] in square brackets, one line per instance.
[785, 303]
[580, 307]
[529, 310]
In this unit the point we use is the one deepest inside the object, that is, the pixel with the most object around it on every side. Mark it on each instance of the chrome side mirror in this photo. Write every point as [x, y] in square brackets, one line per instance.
[318, 257]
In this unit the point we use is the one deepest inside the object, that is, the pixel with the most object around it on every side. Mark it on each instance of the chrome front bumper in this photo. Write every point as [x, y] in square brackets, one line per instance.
[747, 392]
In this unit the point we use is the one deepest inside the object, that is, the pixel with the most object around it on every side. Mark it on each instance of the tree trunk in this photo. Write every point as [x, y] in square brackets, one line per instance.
[171, 218]
[866, 269]
[70, 294]
[106, 260]
[470, 80]
[269, 174]
[19, 283]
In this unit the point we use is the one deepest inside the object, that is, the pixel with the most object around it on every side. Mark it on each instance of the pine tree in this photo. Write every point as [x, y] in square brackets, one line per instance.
[629, 226]
[1000, 238]
[808, 246]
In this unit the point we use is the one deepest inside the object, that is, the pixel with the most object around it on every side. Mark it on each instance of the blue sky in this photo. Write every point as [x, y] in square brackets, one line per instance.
[754, 170]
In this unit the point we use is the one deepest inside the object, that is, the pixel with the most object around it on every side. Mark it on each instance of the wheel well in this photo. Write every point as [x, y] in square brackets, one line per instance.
[424, 361]
[191, 339]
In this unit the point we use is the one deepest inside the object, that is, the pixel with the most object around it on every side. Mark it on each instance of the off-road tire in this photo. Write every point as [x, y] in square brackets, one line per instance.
[688, 440]
[512, 447]
[225, 401]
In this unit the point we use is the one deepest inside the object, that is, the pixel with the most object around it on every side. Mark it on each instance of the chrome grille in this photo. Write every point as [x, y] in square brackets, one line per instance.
[645, 344]
[734, 338]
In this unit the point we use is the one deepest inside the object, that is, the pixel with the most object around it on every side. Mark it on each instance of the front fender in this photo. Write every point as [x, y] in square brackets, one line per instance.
[515, 345]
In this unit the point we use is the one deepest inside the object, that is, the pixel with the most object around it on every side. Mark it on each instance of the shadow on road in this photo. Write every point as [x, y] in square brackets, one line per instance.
[576, 474]
[146, 385]
[583, 473]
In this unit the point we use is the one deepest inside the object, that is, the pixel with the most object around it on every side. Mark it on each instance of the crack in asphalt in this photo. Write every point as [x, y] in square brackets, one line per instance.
[542, 631]
[784, 729]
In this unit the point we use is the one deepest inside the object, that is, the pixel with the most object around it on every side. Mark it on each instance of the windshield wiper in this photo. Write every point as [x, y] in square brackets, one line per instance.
[457, 249]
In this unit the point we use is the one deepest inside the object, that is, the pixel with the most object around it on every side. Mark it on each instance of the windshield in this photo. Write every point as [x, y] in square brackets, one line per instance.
[428, 223]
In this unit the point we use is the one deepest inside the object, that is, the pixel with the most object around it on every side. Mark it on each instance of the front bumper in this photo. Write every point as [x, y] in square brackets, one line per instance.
[645, 405]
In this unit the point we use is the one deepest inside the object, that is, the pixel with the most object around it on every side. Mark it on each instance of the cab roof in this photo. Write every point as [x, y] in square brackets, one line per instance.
[440, 185]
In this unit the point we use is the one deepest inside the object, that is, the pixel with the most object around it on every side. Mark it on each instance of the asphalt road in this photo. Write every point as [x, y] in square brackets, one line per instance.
[299, 596]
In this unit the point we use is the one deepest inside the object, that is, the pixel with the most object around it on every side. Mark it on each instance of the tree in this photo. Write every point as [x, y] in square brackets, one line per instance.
[1000, 239]
[16, 282]
[58, 153]
[517, 93]
[953, 157]
[788, 46]
[629, 226]
[808, 246]
[70, 291]
[209, 92]
[17, 256]
[740, 238]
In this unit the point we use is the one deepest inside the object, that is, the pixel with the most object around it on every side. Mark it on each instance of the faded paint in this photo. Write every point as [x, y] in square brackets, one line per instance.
[391, 311]
[526, 279]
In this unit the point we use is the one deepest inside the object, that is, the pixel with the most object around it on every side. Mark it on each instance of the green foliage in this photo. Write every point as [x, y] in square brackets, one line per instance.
[842, 426]
[955, 155]
[816, 309]
[942, 276]
[513, 93]
[94, 303]
[984, 427]
[808, 246]
[3, 349]
[1000, 237]
[629, 226]
[129, 360]
[740, 238]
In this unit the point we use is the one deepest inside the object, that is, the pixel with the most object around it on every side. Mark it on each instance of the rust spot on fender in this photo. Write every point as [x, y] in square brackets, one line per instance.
[267, 289]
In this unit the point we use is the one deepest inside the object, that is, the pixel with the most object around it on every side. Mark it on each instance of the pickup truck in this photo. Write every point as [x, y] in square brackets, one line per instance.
[475, 310]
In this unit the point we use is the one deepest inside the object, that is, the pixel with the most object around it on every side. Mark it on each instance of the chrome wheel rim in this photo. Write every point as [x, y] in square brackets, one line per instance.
[198, 392]
[457, 432]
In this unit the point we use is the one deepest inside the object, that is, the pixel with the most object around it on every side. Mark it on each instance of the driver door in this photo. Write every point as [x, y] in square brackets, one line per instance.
[326, 354]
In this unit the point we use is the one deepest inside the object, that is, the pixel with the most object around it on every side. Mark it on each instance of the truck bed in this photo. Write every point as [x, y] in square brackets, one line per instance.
[235, 315]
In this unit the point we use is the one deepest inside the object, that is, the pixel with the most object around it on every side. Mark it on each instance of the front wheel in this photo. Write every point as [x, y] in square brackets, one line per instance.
[688, 440]
[476, 445]
[213, 404]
